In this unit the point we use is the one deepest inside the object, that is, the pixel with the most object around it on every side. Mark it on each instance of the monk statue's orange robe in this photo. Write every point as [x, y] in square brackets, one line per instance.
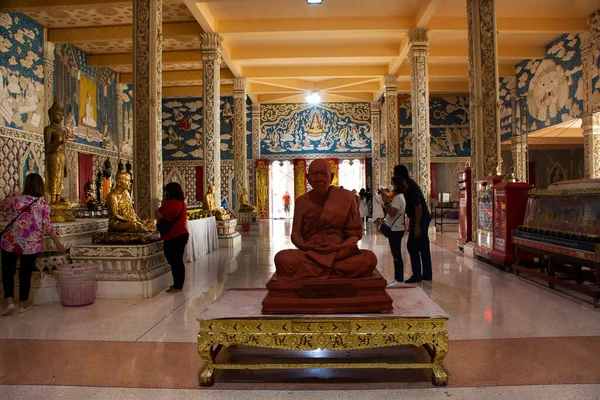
[326, 226]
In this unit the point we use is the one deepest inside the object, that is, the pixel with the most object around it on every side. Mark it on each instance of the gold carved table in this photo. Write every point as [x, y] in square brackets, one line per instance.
[235, 320]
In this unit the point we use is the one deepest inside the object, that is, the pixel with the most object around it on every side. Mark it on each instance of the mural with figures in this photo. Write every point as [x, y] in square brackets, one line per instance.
[552, 86]
[448, 124]
[89, 97]
[330, 128]
[127, 119]
[21, 73]
[504, 87]
[182, 128]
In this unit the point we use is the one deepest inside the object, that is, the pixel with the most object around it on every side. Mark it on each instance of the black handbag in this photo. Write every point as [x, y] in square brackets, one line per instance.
[164, 226]
[385, 229]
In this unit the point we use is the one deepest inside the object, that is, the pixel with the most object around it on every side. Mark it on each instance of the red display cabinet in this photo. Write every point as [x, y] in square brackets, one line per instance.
[465, 233]
[510, 203]
[485, 215]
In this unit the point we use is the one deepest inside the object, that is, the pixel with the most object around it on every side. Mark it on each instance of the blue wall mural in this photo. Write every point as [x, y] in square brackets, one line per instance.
[448, 124]
[183, 128]
[301, 130]
[21, 73]
[552, 86]
[89, 96]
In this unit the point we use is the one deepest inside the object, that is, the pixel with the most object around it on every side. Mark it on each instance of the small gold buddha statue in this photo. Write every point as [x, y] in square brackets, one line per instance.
[245, 206]
[210, 205]
[121, 215]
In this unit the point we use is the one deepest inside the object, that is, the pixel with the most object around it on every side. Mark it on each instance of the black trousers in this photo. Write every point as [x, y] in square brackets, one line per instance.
[419, 250]
[395, 240]
[9, 265]
[174, 249]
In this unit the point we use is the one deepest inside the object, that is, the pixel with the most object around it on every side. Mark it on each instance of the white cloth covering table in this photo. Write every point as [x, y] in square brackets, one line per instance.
[203, 238]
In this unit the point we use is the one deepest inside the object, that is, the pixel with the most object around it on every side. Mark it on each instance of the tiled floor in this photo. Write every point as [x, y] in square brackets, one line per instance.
[495, 318]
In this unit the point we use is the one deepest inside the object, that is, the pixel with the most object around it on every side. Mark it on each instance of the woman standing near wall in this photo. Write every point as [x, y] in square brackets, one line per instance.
[22, 238]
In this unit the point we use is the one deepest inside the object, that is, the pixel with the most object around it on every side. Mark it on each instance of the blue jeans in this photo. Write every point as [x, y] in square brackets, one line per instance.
[395, 240]
[419, 250]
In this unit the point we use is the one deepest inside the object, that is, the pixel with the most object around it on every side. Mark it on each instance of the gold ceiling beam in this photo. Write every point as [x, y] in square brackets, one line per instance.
[168, 57]
[290, 84]
[426, 12]
[345, 83]
[504, 52]
[191, 91]
[121, 32]
[440, 87]
[266, 53]
[451, 71]
[315, 71]
[325, 98]
[194, 75]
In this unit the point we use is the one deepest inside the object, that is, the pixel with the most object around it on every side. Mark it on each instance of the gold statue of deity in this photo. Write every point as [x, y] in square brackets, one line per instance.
[55, 139]
[121, 215]
[245, 206]
[210, 205]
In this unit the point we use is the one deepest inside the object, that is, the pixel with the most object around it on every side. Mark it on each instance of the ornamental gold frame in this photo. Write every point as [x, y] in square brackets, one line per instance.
[320, 333]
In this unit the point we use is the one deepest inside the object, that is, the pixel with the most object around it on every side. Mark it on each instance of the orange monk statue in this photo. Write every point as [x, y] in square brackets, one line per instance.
[326, 229]
[328, 273]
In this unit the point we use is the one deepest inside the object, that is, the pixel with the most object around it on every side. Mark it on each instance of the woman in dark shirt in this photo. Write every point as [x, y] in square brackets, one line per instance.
[173, 208]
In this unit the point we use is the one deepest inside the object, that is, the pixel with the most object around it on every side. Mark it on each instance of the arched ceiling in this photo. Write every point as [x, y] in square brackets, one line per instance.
[287, 48]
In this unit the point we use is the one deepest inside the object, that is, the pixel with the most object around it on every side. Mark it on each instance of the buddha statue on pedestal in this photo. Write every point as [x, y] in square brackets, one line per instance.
[55, 140]
[121, 215]
[245, 206]
[210, 205]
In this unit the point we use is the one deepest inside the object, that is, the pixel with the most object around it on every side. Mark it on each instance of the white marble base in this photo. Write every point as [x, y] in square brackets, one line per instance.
[232, 240]
[133, 290]
[469, 249]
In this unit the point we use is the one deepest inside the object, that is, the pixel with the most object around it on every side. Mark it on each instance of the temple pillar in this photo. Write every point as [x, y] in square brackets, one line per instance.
[519, 149]
[483, 93]
[391, 111]
[375, 151]
[240, 172]
[590, 47]
[120, 122]
[419, 76]
[48, 79]
[211, 98]
[255, 131]
[147, 105]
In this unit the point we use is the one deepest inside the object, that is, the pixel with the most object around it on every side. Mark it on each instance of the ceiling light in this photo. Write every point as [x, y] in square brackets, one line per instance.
[314, 1]
[313, 98]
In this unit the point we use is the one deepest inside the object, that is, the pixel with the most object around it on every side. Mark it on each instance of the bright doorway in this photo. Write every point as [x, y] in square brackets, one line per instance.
[352, 174]
[282, 180]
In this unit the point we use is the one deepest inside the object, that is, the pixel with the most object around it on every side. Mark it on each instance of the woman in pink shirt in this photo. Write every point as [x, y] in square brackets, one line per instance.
[23, 238]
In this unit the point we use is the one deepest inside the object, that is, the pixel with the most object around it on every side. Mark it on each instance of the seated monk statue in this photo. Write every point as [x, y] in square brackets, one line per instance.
[210, 205]
[326, 229]
[245, 206]
[121, 215]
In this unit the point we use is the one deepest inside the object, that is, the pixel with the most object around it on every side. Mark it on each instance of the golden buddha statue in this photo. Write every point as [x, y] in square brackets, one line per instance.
[55, 139]
[121, 215]
[245, 206]
[210, 205]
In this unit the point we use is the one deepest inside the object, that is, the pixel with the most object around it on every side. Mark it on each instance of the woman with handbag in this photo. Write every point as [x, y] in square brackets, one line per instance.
[172, 217]
[22, 238]
[394, 227]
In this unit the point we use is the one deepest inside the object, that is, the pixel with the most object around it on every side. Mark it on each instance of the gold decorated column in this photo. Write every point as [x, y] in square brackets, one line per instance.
[211, 98]
[590, 46]
[375, 150]
[240, 172]
[48, 78]
[255, 131]
[519, 141]
[147, 105]
[391, 118]
[483, 93]
[419, 87]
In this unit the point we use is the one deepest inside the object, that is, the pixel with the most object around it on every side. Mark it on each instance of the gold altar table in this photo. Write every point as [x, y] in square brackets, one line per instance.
[235, 319]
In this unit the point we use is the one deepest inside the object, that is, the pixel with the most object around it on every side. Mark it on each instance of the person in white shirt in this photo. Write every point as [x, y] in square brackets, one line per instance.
[378, 214]
[395, 219]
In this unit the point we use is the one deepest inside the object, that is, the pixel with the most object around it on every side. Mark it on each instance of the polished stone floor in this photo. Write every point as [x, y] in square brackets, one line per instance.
[510, 337]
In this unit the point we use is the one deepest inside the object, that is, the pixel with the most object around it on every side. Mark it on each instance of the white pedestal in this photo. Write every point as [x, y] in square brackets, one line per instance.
[469, 249]
[126, 271]
[231, 240]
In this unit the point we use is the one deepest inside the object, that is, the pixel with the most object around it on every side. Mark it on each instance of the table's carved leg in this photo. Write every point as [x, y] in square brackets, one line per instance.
[206, 376]
[439, 377]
